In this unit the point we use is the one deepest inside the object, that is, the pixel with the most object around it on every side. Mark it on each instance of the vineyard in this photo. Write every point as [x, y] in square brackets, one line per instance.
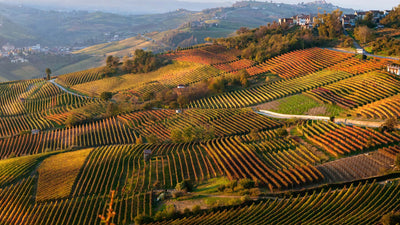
[341, 140]
[356, 167]
[80, 77]
[382, 109]
[357, 91]
[268, 92]
[362, 204]
[205, 55]
[301, 62]
[62, 154]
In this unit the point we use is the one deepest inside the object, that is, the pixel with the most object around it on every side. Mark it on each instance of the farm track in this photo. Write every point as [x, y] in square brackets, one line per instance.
[345, 121]
[53, 81]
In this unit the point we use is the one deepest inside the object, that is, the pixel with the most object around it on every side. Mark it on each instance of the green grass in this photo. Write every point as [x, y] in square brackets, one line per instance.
[216, 201]
[211, 185]
[301, 105]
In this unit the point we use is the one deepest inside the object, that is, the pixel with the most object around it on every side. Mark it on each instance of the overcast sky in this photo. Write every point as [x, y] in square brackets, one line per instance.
[355, 4]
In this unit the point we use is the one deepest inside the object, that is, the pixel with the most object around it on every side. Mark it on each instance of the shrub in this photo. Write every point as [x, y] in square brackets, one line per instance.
[106, 95]
[282, 132]
[142, 219]
[232, 184]
[148, 105]
[173, 105]
[221, 188]
[22, 132]
[71, 120]
[247, 183]
[152, 139]
[168, 213]
[389, 124]
[391, 218]
[185, 185]
[177, 194]
[196, 209]
[186, 211]
[245, 198]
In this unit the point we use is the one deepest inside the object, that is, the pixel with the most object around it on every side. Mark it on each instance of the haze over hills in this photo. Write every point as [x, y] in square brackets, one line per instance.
[125, 6]
[214, 23]
[283, 123]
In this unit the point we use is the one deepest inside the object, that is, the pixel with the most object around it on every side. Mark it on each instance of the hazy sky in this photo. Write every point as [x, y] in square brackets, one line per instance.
[356, 4]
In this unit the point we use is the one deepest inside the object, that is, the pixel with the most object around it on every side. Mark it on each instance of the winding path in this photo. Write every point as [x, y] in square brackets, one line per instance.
[53, 81]
[367, 54]
[324, 118]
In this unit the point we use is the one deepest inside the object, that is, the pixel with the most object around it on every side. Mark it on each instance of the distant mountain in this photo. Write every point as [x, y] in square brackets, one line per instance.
[125, 6]
[215, 22]
[26, 26]
[29, 26]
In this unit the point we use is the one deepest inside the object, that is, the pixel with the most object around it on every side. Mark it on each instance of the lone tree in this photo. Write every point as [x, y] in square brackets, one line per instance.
[110, 211]
[48, 73]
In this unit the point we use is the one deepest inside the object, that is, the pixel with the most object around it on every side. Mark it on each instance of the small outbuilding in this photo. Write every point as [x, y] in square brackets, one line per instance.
[147, 154]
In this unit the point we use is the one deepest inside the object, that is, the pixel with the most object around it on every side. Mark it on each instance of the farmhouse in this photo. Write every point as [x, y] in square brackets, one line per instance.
[288, 21]
[394, 68]
[349, 20]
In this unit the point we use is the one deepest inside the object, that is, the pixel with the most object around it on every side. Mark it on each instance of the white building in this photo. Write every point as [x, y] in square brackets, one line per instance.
[394, 68]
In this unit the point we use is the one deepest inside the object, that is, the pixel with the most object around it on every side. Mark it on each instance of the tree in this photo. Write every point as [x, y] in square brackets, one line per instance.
[185, 185]
[392, 218]
[110, 211]
[142, 219]
[367, 21]
[112, 109]
[247, 183]
[254, 134]
[48, 73]
[196, 209]
[329, 24]
[244, 75]
[71, 120]
[282, 132]
[106, 95]
[112, 61]
[389, 124]
[217, 85]
[167, 213]
[152, 139]
[242, 30]
[363, 34]
[182, 101]
[176, 135]
[393, 18]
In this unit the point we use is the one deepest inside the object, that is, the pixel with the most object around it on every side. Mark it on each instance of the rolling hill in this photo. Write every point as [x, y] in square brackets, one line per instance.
[185, 136]
[212, 153]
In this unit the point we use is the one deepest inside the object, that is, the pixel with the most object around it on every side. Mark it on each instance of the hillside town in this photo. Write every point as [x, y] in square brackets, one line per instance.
[19, 54]
[347, 20]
